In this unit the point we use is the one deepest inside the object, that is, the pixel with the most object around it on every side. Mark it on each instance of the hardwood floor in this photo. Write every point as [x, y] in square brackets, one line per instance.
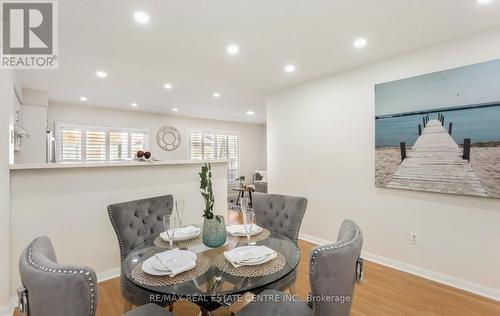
[384, 292]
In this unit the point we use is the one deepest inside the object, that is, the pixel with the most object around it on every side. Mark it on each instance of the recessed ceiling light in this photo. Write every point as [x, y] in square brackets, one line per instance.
[233, 49]
[101, 74]
[250, 112]
[168, 86]
[83, 99]
[289, 68]
[216, 94]
[360, 42]
[134, 105]
[175, 110]
[141, 17]
[484, 1]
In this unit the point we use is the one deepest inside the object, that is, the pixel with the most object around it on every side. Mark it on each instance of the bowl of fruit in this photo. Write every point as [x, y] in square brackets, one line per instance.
[143, 155]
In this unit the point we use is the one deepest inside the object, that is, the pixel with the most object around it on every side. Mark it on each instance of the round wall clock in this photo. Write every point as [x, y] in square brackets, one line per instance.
[168, 138]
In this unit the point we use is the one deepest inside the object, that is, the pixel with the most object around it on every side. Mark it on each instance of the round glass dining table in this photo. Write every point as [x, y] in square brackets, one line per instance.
[215, 287]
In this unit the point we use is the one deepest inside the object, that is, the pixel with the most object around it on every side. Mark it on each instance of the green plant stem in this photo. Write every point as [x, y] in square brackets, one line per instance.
[207, 191]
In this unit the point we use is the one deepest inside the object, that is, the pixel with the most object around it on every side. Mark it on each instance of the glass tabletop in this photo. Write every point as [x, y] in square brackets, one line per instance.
[214, 283]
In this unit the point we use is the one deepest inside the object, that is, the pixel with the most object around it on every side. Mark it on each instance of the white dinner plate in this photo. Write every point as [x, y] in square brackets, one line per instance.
[258, 261]
[253, 233]
[156, 264]
[183, 238]
[253, 261]
[148, 268]
[195, 234]
[154, 267]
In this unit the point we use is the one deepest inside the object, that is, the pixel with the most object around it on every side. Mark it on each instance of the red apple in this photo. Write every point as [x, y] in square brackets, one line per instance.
[147, 155]
[140, 154]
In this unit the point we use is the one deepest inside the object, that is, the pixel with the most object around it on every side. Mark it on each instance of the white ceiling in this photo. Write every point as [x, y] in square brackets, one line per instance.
[184, 44]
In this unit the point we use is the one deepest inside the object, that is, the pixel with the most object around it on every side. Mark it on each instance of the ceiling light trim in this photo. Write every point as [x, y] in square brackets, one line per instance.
[141, 17]
[360, 43]
[233, 49]
[101, 74]
[290, 68]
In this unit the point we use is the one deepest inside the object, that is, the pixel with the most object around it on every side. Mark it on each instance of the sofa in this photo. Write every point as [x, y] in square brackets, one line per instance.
[260, 180]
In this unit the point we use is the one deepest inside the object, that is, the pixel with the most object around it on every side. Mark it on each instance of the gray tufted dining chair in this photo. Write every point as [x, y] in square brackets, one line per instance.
[54, 289]
[334, 271]
[281, 214]
[134, 223]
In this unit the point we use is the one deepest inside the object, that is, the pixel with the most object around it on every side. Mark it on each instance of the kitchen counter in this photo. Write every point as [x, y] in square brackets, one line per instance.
[107, 164]
[68, 202]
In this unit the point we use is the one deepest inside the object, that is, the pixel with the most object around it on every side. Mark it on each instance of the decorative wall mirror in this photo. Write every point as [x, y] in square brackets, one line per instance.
[168, 138]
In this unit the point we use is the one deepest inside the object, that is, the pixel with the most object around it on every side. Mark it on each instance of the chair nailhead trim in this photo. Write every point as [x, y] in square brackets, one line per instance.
[34, 264]
[115, 227]
[326, 248]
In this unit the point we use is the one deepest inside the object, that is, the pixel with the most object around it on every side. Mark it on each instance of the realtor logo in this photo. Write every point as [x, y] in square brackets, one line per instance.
[29, 35]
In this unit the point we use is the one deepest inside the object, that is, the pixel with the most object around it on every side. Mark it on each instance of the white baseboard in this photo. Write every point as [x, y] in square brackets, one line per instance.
[8, 310]
[314, 240]
[449, 280]
[108, 274]
[478, 289]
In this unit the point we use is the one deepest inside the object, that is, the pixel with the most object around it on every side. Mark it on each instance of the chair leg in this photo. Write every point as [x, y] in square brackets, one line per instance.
[204, 312]
[171, 307]
[126, 307]
[292, 290]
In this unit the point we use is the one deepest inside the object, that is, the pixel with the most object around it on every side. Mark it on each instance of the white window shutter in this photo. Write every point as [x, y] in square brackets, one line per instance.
[93, 143]
[118, 146]
[222, 152]
[233, 153]
[138, 141]
[210, 145]
[196, 146]
[70, 144]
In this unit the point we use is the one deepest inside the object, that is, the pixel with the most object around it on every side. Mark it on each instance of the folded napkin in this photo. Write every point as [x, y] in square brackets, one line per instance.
[176, 261]
[181, 233]
[249, 254]
[239, 230]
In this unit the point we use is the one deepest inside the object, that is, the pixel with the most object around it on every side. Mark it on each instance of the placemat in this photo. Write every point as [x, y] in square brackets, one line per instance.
[202, 266]
[259, 237]
[159, 242]
[267, 268]
[186, 244]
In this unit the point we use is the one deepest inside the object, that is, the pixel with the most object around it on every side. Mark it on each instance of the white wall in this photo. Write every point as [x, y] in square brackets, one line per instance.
[252, 136]
[321, 145]
[7, 96]
[34, 119]
[69, 206]
[32, 149]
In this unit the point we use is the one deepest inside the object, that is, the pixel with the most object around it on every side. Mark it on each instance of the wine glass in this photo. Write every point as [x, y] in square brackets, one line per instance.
[179, 209]
[248, 219]
[170, 223]
[244, 204]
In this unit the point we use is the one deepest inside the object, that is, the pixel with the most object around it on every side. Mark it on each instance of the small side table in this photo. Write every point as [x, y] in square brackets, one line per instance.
[241, 195]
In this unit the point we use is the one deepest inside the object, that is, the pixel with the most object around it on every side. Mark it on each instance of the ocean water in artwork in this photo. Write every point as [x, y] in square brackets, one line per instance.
[478, 124]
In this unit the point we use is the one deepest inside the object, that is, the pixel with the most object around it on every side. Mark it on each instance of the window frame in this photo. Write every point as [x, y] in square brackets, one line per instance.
[83, 140]
[216, 133]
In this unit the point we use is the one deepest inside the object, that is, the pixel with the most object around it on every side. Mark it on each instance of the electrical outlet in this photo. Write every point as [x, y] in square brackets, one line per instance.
[414, 239]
